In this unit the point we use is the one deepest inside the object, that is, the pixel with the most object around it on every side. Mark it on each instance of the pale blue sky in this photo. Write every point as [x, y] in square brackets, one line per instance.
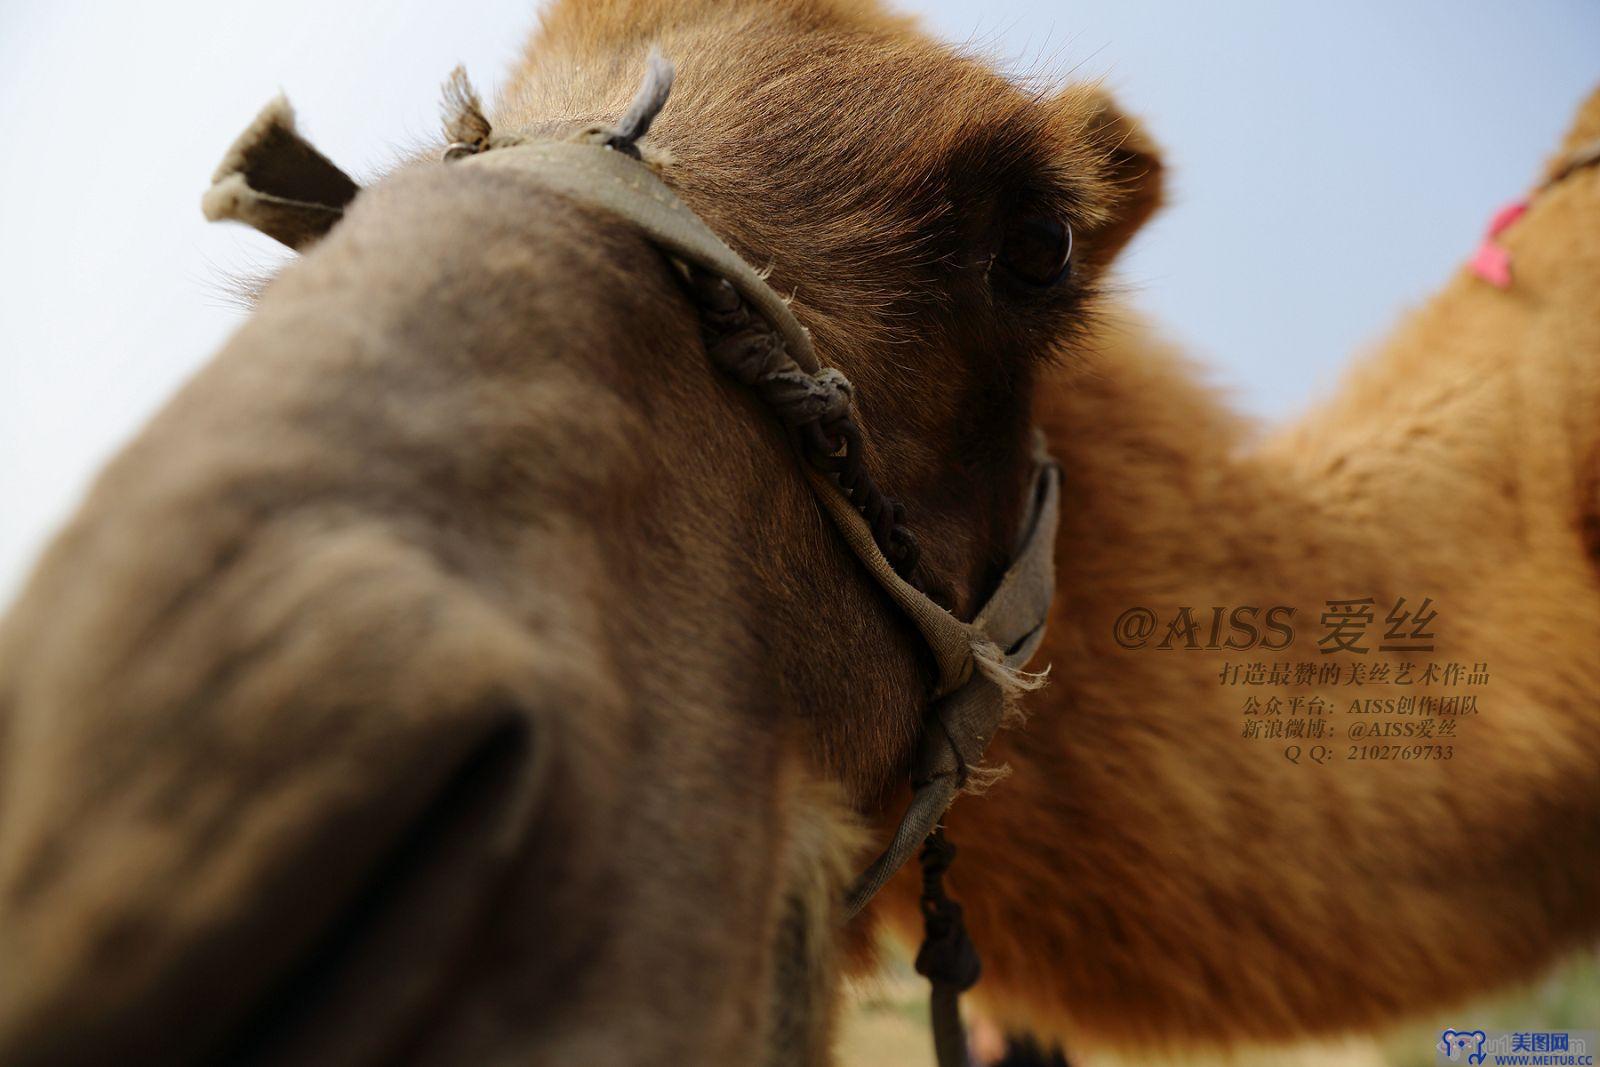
[1331, 165]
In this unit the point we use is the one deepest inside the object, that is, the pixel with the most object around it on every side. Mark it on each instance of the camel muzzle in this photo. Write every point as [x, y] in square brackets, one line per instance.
[333, 969]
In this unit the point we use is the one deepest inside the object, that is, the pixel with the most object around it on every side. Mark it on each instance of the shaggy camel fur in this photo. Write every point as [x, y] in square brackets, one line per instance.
[1234, 895]
[458, 670]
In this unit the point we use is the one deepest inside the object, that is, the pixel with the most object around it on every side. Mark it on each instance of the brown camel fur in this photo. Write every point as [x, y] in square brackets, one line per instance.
[459, 670]
[1232, 894]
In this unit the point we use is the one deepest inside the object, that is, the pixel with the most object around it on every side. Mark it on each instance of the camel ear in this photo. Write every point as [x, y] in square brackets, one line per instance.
[273, 180]
[1131, 177]
[1583, 133]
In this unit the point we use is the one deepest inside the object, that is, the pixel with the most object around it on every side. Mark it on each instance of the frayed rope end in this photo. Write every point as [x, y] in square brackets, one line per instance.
[1012, 682]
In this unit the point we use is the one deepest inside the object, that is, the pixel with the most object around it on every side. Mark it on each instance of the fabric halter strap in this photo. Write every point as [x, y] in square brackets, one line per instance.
[977, 662]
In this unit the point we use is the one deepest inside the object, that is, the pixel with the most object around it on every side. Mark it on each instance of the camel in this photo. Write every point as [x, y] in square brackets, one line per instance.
[1460, 461]
[460, 668]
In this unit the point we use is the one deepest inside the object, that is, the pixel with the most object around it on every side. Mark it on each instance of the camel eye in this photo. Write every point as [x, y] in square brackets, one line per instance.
[1037, 250]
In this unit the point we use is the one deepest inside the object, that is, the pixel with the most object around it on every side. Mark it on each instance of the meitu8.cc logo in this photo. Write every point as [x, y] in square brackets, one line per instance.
[1213, 629]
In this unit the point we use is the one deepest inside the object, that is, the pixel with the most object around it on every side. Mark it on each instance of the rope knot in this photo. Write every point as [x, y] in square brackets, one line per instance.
[750, 353]
[750, 350]
[800, 398]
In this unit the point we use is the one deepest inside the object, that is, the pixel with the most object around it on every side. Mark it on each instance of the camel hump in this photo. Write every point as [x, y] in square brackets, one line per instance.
[1584, 131]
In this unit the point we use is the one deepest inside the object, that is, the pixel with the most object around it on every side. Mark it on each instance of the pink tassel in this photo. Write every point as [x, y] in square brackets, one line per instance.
[1491, 261]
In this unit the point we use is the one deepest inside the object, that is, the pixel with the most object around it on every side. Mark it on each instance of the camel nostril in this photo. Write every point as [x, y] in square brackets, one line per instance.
[386, 952]
[337, 928]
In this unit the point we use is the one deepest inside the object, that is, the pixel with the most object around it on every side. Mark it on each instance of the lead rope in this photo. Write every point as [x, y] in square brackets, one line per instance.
[817, 409]
[947, 959]
[742, 342]
[750, 334]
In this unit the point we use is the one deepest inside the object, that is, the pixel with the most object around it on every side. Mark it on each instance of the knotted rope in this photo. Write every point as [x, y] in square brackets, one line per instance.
[751, 334]
[811, 401]
[744, 345]
[947, 959]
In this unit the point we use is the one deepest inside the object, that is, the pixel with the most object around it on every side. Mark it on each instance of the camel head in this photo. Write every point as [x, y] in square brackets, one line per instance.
[459, 668]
